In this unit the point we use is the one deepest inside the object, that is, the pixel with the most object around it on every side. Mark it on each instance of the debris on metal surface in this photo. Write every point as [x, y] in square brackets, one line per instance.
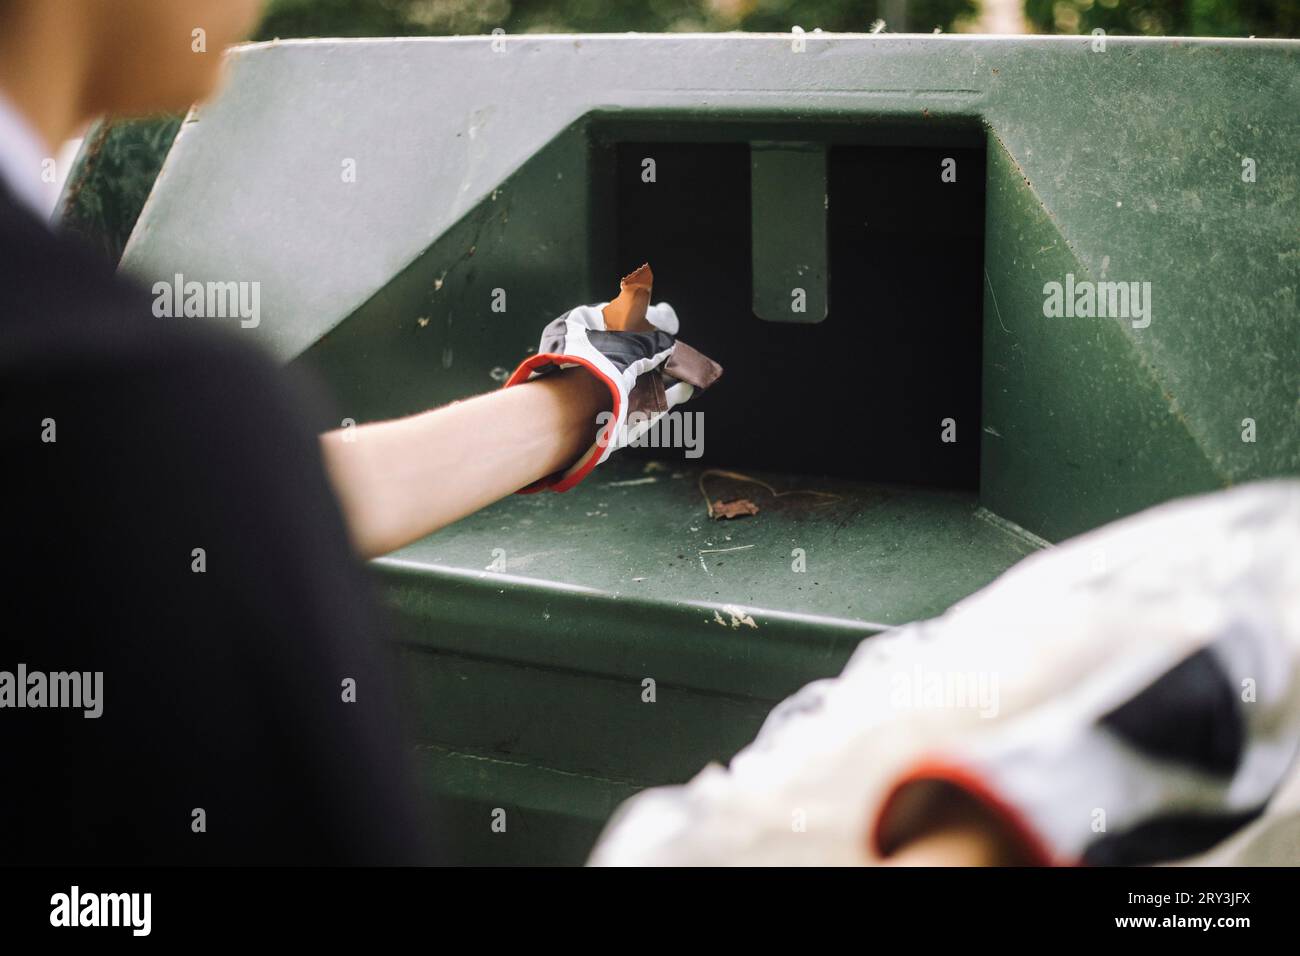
[703, 552]
[736, 508]
[737, 615]
[733, 508]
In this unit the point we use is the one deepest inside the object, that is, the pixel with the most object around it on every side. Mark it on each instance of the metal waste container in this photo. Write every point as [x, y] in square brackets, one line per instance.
[974, 295]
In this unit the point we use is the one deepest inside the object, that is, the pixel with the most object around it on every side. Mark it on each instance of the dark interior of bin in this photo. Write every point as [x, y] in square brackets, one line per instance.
[863, 393]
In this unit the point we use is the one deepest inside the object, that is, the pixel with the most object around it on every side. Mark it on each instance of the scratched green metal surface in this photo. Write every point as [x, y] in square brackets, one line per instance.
[478, 171]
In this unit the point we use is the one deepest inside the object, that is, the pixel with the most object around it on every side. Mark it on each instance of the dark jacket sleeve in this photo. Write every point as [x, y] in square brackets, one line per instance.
[179, 536]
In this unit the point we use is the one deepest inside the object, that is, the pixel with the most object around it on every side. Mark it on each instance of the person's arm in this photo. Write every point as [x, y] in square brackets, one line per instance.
[400, 480]
[956, 830]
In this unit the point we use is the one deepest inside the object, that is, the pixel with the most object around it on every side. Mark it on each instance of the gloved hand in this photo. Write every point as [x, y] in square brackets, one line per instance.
[632, 347]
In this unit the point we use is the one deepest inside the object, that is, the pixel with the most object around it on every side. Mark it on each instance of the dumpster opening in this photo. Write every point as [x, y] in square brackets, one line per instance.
[865, 393]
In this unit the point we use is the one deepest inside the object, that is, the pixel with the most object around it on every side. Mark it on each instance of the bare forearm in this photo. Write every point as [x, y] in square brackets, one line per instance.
[400, 480]
[956, 830]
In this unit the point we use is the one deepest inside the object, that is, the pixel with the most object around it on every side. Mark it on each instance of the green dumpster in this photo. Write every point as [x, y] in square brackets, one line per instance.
[974, 295]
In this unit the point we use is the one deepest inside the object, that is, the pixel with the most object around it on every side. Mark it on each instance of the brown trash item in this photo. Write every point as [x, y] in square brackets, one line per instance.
[647, 396]
[738, 508]
[692, 366]
[828, 497]
[627, 312]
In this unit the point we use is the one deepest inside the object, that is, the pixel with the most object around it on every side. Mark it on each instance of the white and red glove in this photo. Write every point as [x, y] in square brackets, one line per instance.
[632, 347]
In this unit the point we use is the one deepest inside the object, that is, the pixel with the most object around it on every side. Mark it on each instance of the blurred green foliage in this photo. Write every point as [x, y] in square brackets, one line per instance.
[111, 178]
[297, 18]
[1220, 18]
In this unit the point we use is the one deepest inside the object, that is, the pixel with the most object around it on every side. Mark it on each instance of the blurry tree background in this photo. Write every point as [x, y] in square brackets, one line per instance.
[298, 18]
[1219, 18]
[290, 18]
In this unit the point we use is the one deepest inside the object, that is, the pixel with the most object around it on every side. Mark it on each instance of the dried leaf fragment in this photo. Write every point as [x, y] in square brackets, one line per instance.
[736, 508]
